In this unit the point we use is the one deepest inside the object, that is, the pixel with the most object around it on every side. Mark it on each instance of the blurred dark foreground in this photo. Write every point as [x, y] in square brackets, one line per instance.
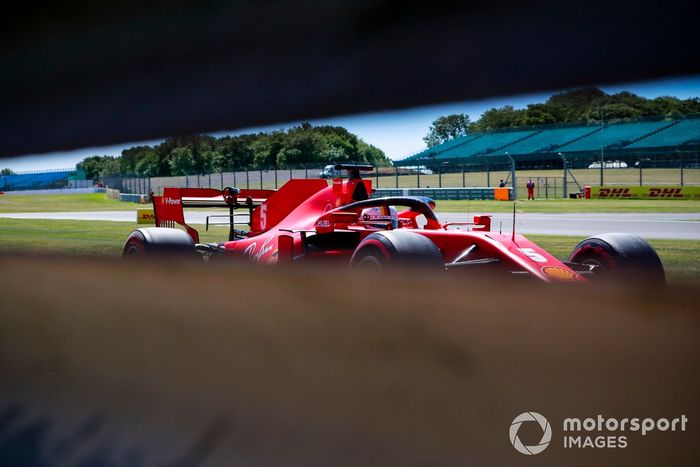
[108, 363]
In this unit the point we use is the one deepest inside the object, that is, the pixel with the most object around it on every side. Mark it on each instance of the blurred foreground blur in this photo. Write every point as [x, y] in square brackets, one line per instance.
[110, 363]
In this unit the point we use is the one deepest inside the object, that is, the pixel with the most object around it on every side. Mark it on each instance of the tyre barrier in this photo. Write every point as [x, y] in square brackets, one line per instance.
[134, 198]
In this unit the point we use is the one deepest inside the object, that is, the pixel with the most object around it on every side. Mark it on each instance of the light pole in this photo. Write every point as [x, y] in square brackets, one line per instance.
[563, 159]
[512, 174]
[444, 164]
[646, 159]
[602, 146]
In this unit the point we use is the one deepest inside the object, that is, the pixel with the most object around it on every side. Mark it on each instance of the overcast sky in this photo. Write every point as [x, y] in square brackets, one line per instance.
[398, 133]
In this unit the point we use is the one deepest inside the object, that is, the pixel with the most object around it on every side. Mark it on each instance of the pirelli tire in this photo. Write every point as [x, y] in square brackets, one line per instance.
[396, 249]
[620, 258]
[159, 242]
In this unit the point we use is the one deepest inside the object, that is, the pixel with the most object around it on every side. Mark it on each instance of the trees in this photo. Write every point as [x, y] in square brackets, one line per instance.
[302, 145]
[371, 155]
[505, 117]
[91, 166]
[110, 167]
[536, 114]
[97, 167]
[189, 154]
[147, 165]
[139, 161]
[7, 171]
[182, 161]
[266, 149]
[588, 104]
[233, 152]
[339, 145]
[446, 128]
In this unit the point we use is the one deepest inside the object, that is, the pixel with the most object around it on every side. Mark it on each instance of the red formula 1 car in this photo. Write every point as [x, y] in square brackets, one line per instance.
[308, 220]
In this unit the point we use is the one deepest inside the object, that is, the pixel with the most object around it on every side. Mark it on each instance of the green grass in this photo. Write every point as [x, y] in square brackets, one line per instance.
[572, 205]
[43, 236]
[681, 258]
[63, 203]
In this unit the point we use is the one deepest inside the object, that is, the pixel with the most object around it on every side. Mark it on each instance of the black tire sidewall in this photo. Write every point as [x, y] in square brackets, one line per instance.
[397, 248]
[135, 245]
[159, 241]
[622, 259]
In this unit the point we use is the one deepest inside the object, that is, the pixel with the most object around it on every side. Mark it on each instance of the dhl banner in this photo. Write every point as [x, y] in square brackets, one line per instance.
[145, 216]
[646, 192]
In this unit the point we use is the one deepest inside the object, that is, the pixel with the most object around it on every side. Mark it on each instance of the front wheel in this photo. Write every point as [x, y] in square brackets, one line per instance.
[620, 258]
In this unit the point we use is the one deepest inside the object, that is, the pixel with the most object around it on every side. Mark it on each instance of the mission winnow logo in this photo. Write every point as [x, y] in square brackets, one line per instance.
[597, 432]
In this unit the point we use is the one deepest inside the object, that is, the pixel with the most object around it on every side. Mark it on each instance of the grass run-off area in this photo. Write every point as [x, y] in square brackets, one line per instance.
[100, 202]
[62, 203]
[681, 258]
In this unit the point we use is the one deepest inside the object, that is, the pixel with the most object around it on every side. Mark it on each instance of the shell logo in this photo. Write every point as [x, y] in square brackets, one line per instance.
[560, 273]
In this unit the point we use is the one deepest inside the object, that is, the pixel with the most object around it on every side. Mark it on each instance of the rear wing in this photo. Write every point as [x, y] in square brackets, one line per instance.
[169, 208]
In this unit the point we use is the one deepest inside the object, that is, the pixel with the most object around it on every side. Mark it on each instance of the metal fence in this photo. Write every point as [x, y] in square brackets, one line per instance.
[554, 179]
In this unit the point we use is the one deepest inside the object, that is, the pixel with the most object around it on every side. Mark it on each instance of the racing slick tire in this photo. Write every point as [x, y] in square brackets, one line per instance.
[396, 248]
[620, 258]
[159, 241]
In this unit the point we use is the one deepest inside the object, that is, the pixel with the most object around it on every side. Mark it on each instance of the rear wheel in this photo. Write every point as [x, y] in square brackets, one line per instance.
[396, 248]
[135, 245]
[620, 258]
[158, 241]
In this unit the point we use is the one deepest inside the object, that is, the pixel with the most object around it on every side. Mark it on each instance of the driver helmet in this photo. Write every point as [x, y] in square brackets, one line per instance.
[386, 214]
[429, 201]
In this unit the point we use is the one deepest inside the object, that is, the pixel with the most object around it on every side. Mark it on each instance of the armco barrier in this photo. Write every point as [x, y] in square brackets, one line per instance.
[441, 193]
[134, 198]
[646, 192]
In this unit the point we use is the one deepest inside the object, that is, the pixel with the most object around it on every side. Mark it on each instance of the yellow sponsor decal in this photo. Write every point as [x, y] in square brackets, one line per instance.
[559, 273]
[646, 192]
[145, 216]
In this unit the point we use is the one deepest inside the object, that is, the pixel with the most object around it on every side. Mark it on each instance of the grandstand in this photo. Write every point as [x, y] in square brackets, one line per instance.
[473, 145]
[38, 180]
[615, 135]
[682, 132]
[546, 140]
[655, 140]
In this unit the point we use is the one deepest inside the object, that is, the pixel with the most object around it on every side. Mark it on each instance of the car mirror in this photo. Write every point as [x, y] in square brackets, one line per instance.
[335, 220]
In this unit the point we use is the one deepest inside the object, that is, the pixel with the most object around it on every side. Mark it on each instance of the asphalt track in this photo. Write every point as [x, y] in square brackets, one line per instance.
[673, 226]
[678, 226]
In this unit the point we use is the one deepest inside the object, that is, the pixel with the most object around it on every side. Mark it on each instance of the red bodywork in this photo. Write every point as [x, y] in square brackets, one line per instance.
[282, 221]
